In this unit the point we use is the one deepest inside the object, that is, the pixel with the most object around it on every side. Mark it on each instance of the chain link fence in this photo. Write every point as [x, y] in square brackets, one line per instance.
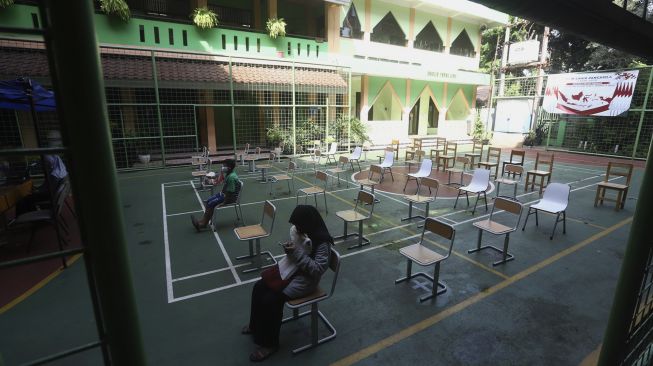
[626, 135]
[164, 106]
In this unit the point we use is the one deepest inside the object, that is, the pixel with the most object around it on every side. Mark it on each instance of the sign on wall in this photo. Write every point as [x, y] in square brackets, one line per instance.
[590, 94]
[524, 52]
[513, 115]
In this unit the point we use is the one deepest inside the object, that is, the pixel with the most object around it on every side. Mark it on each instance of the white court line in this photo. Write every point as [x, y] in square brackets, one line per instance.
[184, 213]
[217, 238]
[166, 245]
[231, 267]
[278, 256]
[181, 298]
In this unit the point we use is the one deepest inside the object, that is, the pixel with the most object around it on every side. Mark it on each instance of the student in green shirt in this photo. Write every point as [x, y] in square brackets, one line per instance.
[228, 194]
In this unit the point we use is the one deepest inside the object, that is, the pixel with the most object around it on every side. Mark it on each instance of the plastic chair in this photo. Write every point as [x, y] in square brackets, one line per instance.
[254, 233]
[620, 170]
[419, 199]
[424, 256]
[356, 157]
[331, 154]
[554, 201]
[386, 165]
[315, 190]
[417, 157]
[540, 159]
[514, 170]
[493, 227]
[203, 165]
[289, 177]
[358, 214]
[252, 158]
[235, 204]
[313, 300]
[479, 184]
[424, 171]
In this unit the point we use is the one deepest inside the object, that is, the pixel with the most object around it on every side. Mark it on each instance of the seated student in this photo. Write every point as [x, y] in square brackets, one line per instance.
[56, 172]
[226, 196]
[309, 249]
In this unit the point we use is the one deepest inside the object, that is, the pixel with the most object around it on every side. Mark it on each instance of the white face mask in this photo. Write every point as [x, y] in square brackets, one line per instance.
[224, 169]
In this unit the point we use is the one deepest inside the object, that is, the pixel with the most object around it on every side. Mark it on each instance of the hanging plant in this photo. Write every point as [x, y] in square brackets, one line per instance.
[276, 27]
[5, 3]
[118, 8]
[205, 18]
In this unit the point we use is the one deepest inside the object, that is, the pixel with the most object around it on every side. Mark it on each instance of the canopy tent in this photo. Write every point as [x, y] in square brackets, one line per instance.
[23, 94]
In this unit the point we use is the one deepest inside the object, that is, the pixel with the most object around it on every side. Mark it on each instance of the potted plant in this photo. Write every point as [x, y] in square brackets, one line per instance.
[529, 139]
[479, 133]
[117, 8]
[204, 18]
[276, 27]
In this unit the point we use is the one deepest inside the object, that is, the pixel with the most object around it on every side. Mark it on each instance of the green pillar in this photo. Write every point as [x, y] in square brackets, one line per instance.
[643, 112]
[79, 87]
[633, 271]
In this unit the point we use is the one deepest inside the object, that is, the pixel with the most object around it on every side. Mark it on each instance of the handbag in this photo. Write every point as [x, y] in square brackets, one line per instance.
[272, 279]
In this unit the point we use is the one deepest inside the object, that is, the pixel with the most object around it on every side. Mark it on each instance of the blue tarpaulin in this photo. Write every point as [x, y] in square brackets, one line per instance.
[16, 94]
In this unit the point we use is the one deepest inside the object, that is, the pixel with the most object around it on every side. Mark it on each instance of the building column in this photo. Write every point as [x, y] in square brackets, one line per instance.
[128, 111]
[272, 8]
[405, 116]
[447, 43]
[198, 3]
[256, 6]
[332, 26]
[207, 121]
[365, 89]
[367, 25]
[411, 28]
[442, 116]
[477, 49]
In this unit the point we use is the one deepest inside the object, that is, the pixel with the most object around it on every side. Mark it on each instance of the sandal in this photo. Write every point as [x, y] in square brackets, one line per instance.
[246, 330]
[195, 223]
[262, 353]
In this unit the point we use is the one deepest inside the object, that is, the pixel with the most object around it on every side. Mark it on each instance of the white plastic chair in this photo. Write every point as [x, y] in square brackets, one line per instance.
[331, 154]
[387, 163]
[356, 157]
[479, 184]
[424, 171]
[554, 201]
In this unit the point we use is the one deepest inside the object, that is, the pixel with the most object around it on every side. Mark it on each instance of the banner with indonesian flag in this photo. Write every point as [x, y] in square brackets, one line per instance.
[590, 94]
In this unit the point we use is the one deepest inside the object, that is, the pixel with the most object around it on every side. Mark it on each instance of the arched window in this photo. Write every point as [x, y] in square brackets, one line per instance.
[429, 39]
[434, 114]
[351, 26]
[462, 45]
[388, 31]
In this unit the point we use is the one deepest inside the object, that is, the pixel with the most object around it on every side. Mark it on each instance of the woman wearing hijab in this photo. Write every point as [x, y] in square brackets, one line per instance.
[309, 249]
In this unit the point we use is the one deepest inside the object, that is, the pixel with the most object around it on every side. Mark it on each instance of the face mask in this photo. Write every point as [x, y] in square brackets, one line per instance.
[225, 169]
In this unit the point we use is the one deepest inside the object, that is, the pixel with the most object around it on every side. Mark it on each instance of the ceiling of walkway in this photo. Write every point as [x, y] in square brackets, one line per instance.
[600, 21]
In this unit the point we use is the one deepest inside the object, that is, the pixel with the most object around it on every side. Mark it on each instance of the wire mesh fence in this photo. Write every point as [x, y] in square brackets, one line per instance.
[165, 106]
[626, 135]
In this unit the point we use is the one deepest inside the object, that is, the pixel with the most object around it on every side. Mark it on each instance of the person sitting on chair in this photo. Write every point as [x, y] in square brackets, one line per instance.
[227, 195]
[56, 172]
[309, 250]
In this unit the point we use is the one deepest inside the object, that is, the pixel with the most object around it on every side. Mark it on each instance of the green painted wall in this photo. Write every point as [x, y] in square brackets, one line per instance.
[110, 30]
[376, 83]
[19, 16]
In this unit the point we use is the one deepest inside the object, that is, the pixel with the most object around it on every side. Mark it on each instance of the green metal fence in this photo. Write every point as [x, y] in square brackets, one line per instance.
[628, 135]
[164, 106]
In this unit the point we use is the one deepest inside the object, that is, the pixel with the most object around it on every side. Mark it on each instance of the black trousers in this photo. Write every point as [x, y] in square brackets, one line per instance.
[266, 314]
